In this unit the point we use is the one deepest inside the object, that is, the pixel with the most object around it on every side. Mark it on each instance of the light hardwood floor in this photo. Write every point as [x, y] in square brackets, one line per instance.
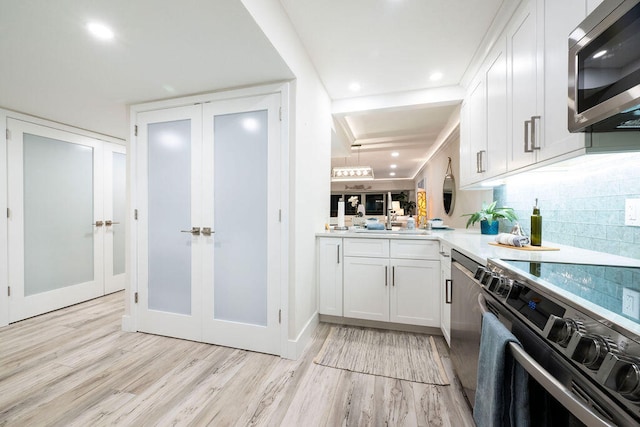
[75, 367]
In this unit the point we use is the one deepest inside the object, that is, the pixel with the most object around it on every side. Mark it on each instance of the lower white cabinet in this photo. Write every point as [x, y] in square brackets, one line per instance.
[330, 275]
[445, 288]
[378, 287]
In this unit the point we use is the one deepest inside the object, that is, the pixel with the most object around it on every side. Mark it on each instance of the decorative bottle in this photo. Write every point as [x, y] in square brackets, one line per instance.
[536, 226]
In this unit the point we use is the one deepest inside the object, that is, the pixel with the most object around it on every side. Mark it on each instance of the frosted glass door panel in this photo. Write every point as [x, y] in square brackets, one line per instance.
[169, 198]
[119, 210]
[58, 214]
[240, 217]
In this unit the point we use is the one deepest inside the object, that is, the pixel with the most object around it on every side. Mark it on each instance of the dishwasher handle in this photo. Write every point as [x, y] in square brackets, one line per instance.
[549, 383]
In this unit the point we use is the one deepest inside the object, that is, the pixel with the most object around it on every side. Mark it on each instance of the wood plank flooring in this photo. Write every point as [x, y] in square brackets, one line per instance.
[75, 367]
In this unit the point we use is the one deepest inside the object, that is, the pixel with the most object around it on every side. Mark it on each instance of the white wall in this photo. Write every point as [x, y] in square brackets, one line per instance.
[434, 173]
[310, 157]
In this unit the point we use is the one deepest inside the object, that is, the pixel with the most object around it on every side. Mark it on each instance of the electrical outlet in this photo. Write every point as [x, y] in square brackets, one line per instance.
[632, 212]
[631, 303]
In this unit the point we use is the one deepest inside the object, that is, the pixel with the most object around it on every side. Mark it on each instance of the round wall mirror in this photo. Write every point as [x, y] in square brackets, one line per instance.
[449, 190]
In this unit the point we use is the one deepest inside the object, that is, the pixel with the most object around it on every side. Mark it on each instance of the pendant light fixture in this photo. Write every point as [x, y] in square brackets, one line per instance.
[352, 173]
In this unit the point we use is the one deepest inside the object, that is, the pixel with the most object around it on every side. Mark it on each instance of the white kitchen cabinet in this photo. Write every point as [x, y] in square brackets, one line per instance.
[525, 85]
[560, 19]
[392, 280]
[483, 145]
[330, 275]
[445, 289]
[366, 288]
[414, 292]
[473, 136]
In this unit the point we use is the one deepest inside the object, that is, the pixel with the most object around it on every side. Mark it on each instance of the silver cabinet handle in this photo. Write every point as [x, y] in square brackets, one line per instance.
[534, 135]
[98, 223]
[478, 162]
[481, 168]
[194, 230]
[109, 223]
[447, 291]
[444, 254]
[338, 253]
[206, 231]
[386, 275]
[526, 137]
[393, 276]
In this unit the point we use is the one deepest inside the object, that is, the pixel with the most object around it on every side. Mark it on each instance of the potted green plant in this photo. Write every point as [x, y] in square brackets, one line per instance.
[488, 217]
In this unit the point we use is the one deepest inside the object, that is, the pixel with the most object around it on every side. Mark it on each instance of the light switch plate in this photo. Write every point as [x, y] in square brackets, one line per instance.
[631, 303]
[632, 212]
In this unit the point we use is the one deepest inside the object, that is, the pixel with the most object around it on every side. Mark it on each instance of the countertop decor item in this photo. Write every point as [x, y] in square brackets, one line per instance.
[488, 217]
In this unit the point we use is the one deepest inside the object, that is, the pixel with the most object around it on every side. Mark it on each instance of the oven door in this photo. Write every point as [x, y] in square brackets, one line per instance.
[552, 403]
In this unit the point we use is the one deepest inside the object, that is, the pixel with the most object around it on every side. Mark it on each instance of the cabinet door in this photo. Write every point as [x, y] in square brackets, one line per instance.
[494, 161]
[475, 133]
[366, 288]
[525, 73]
[415, 292]
[445, 297]
[561, 17]
[330, 276]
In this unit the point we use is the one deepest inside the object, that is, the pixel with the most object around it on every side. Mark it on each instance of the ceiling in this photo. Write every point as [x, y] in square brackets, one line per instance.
[164, 49]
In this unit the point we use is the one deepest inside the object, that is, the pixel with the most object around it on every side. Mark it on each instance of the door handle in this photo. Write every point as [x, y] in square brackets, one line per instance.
[338, 254]
[444, 254]
[386, 275]
[98, 223]
[393, 276]
[194, 230]
[206, 231]
[481, 168]
[109, 223]
[447, 291]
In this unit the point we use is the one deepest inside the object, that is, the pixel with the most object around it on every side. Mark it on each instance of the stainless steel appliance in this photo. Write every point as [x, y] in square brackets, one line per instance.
[581, 351]
[604, 69]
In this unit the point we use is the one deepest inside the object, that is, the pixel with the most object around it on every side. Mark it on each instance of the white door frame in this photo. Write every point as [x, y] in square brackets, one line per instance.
[112, 283]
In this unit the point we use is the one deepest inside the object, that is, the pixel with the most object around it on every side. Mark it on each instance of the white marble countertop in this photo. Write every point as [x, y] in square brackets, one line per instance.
[476, 246]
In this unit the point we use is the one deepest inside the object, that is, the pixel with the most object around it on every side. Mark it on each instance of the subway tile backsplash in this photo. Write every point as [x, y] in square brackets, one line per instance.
[583, 205]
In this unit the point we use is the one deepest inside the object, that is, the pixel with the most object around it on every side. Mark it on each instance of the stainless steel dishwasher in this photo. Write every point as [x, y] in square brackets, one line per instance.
[466, 319]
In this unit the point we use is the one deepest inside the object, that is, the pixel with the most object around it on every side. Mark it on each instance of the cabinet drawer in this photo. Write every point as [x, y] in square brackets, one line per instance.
[415, 249]
[377, 248]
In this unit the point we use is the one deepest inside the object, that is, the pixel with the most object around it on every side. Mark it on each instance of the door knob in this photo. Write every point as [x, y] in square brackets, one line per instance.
[109, 223]
[194, 230]
[206, 231]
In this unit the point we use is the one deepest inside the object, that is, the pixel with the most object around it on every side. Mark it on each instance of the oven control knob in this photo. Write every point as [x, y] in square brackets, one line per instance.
[480, 273]
[504, 287]
[622, 374]
[592, 349]
[562, 330]
[493, 282]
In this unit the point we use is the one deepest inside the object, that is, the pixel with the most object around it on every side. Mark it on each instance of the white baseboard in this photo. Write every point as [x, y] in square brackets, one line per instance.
[296, 346]
[127, 323]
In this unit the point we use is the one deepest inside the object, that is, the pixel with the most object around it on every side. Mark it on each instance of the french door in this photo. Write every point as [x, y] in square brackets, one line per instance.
[56, 227]
[208, 181]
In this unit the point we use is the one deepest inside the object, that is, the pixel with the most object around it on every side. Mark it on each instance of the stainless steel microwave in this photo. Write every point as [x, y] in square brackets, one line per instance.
[604, 69]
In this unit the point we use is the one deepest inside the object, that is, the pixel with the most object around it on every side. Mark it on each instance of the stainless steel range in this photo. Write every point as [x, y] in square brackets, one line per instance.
[571, 323]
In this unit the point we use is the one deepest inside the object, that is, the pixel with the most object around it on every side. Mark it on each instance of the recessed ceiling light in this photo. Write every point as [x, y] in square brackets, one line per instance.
[392, 174]
[395, 154]
[354, 87]
[393, 166]
[100, 31]
[436, 76]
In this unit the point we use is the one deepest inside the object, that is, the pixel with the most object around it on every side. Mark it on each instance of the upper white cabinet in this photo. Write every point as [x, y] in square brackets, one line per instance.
[517, 103]
[524, 85]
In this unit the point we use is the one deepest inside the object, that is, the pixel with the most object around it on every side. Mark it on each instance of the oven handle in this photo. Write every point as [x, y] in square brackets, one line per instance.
[549, 383]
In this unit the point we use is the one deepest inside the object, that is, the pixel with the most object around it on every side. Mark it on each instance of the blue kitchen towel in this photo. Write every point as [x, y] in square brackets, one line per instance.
[502, 396]
[375, 226]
